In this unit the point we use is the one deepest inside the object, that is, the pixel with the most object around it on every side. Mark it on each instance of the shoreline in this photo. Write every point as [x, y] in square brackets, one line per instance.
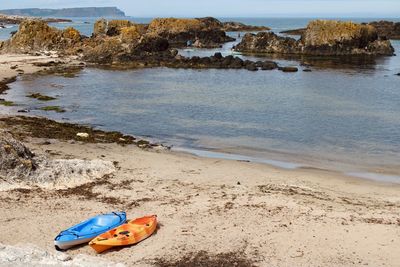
[303, 213]
[286, 160]
[211, 211]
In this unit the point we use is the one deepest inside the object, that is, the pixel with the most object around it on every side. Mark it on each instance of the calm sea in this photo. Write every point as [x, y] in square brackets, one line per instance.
[344, 115]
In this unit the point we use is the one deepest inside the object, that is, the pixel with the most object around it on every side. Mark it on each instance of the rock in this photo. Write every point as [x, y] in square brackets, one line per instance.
[100, 27]
[13, 19]
[387, 29]
[83, 135]
[207, 31]
[266, 42]
[321, 38]
[114, 27]
[174, 52]
[31, 255]
[307, 70]
[36, 35]
[398, 74]
[300, 31]
[16, 161]
[289, 69]
[251, 67]
[218, 55]
[269, 65]
[231, 26]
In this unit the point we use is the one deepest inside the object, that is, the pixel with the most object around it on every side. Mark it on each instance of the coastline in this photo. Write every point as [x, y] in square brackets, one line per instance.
[280, 217]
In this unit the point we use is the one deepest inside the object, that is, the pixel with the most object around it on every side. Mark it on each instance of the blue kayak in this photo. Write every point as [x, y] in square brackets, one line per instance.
[85, 231]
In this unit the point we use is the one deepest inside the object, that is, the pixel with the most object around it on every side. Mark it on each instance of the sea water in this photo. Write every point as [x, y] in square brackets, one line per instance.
[344, 115]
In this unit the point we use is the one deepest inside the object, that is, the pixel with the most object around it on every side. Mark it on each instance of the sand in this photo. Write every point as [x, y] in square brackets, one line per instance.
[12, 65]
[211, 212]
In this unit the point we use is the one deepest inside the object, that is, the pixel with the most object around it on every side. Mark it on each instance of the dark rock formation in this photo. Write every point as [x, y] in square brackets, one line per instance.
[289, 69]
[67, 12]
[387, 29]
[322, 38]
[231, 26]
[217, 61]
[203, 32]
[267, 42]
[300, 31]
[4, 84]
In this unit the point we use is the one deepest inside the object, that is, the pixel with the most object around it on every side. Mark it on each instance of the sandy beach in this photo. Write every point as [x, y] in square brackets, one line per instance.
[211, 212]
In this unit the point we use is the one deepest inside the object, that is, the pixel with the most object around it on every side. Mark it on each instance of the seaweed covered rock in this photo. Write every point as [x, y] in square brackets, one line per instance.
[207, 32]
[329, 37]
[114, 27]
[37, 35]
[267, 42]
[387, 29]
[322, 37]
[232, 26]
[126, 47]
[16, 160]
[100, 27]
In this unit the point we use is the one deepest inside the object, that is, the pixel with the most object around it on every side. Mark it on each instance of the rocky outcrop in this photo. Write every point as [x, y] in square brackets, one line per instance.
[300, 31]
[36, 35]
[114, 27]
[19, 164]
[232, 26]
[322, 38]
[124, 43]
[387, 29]
[267, 42]
[5, 19]
[120, 41]
[203, 32]
[16, 160]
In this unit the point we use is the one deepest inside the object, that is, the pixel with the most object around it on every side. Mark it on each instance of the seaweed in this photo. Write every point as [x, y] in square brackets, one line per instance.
[41, 97]
[53, 108]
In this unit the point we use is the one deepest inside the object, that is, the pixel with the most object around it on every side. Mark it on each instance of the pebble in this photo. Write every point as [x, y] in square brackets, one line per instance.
[83, 135]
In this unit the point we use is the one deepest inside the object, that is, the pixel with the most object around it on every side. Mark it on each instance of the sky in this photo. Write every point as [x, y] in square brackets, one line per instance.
[229, 8]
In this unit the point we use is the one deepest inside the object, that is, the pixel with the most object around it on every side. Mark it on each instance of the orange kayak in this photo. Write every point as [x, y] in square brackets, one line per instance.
[129, 233]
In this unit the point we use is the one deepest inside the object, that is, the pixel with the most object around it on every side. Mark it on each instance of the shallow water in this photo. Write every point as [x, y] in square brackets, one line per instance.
[345, 115]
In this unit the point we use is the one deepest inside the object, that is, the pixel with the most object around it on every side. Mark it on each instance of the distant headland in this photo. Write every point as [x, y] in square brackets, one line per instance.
[67, 12]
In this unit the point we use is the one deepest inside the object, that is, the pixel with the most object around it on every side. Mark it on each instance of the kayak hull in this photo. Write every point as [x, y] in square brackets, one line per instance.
[69, 244]
[130, 233]
[85, 231]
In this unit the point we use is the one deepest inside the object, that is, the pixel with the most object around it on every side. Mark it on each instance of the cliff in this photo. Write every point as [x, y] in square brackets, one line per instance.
[66, 12]
[321, 38]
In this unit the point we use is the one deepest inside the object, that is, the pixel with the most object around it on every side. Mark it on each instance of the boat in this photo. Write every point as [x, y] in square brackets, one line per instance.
[85, 231]
[127, 234]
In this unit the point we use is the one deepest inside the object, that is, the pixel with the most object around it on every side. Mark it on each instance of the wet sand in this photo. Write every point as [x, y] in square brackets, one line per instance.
[211, 211]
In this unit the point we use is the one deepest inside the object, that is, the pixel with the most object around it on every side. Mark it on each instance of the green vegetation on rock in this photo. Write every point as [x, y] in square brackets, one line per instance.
[53, 108]
[41, 97]
[7, 103]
